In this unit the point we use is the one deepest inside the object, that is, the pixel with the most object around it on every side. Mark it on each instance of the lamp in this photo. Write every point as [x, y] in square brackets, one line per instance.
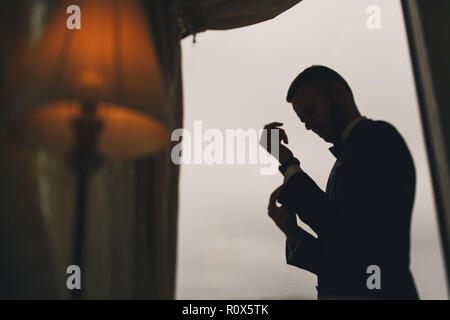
[94, 93]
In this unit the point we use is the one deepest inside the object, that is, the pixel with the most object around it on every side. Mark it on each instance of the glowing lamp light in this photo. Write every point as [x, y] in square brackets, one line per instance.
[108, 71]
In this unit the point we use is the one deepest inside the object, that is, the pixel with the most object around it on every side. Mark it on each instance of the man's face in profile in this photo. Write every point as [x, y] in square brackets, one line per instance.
[316, 110]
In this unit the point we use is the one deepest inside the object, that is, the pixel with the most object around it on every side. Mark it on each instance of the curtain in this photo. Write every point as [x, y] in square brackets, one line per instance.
[131, 222]
[26, 264]
[199, 15]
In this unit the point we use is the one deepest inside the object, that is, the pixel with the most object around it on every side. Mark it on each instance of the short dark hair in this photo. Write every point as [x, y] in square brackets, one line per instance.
[316, 74]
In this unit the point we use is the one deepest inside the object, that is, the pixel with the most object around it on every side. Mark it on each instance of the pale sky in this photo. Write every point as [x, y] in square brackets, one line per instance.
[228, 248]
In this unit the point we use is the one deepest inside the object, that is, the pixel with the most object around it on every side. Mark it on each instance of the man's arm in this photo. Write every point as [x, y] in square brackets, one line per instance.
[371, 174]
[301, 247]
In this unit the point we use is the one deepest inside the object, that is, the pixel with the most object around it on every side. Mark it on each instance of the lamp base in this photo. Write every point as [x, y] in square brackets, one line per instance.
[84, 162]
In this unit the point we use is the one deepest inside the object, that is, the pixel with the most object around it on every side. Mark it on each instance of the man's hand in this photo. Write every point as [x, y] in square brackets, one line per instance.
[282, 153]
[285, 219]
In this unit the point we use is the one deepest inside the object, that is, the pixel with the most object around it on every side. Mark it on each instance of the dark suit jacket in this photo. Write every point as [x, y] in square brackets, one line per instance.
[362, 219]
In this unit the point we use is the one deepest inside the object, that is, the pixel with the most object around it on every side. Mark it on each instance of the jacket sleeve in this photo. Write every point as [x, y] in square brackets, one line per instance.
[306, 256]
[373, 174]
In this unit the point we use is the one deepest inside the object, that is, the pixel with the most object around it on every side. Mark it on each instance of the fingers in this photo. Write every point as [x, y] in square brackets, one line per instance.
[282, 218]
[273, 198]
[279, 214]
[282, 214]
[274, 125]
[283, 136]
[275, 194]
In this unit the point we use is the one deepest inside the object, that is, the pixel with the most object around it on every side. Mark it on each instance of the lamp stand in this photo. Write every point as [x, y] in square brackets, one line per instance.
[84, 161]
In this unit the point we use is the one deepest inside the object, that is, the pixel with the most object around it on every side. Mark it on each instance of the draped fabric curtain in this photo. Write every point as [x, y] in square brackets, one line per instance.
[26, 266]
[200, 15]
[132, 213]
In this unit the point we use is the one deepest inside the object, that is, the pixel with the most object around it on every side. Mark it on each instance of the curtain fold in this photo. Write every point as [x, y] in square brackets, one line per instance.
[26, 263]
[199, 15]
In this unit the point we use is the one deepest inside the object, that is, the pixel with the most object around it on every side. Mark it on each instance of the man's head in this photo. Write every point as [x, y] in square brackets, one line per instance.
[323, 101]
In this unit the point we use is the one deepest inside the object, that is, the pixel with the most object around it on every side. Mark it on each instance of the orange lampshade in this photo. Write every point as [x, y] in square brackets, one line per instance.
[110, 62]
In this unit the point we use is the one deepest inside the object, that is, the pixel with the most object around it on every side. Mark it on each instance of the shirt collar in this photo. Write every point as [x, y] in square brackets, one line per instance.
[336, 149]
[350, 127]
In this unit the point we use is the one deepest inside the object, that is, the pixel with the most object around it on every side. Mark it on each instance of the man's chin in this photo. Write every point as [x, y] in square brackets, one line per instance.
[322, 136]
[326, 138]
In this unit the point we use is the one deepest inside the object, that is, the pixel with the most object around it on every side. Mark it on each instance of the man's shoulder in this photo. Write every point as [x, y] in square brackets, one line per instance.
[381, 126]
[373, 131]
[378, 142]
[376, 139]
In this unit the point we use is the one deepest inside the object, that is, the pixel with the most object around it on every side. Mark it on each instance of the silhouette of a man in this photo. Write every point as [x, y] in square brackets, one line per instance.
[363, 218]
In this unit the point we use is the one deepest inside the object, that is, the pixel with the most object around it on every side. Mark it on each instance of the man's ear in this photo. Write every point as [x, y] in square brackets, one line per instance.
[339, 92]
